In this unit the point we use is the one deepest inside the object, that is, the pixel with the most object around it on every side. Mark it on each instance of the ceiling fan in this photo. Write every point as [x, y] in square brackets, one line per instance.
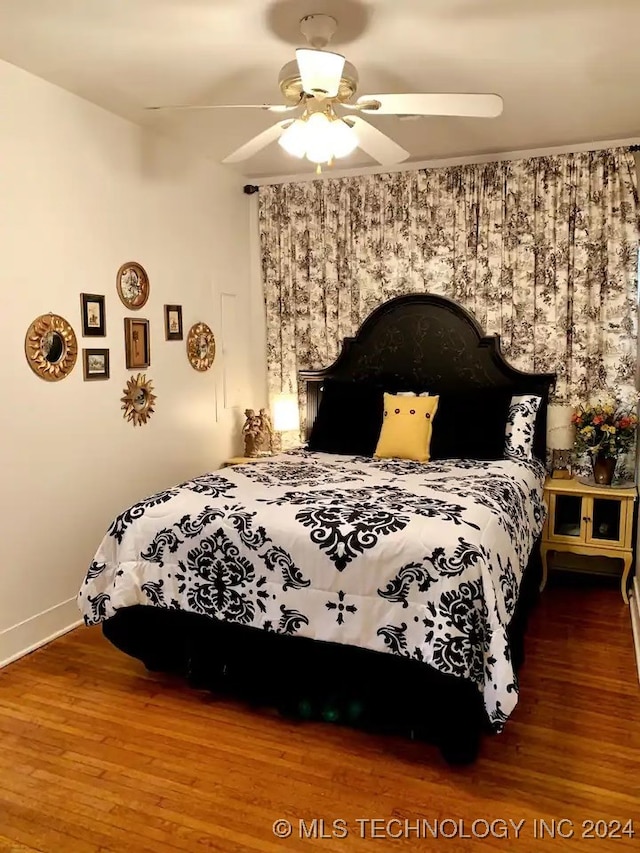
[325, 122]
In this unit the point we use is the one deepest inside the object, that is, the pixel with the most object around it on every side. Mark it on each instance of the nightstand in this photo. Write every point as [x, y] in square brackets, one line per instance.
[590, 521]
[244, 460]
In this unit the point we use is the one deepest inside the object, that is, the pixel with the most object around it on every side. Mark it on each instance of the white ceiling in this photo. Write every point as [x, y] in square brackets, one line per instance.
[568, 70]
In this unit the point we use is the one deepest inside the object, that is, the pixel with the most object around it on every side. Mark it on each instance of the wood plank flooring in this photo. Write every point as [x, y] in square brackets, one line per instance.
[98, 756]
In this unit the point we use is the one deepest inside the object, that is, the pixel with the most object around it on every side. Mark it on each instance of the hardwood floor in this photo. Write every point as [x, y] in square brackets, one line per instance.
[97, 755]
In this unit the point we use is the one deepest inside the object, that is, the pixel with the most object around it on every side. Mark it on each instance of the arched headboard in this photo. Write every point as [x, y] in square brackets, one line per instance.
[425, 341]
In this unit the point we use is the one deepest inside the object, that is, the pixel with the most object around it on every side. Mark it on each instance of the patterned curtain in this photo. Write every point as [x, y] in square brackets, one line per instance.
[542, 251]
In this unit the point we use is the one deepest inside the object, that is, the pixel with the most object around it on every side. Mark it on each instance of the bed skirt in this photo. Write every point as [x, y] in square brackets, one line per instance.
[309, 679]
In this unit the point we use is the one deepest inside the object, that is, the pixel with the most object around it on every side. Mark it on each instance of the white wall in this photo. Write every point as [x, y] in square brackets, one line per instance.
[82, 191]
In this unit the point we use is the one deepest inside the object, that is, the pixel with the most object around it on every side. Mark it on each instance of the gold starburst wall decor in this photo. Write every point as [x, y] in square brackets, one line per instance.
[51, 347]
[138, 400]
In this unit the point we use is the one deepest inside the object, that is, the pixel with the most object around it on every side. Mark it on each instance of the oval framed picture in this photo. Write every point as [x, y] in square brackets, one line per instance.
[201, 347]
[132, 284]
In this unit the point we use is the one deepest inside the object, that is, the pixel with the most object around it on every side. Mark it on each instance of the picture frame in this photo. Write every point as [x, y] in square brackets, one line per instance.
[201, 347]
[93, 315]
[136, 343]
[95, 364]
[132, 285]
[173, 322]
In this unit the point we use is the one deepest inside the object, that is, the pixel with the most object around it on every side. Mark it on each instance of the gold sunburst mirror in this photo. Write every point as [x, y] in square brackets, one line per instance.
[201, 347]
[138, 400]
[51, 347]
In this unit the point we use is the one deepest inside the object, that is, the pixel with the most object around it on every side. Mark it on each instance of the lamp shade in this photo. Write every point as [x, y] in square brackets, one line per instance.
[560, 430]
[286, 415]
[343, 138]
[294, 139]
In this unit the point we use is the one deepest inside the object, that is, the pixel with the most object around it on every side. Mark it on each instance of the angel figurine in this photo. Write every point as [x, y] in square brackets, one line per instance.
[266, 431]
[251, 433]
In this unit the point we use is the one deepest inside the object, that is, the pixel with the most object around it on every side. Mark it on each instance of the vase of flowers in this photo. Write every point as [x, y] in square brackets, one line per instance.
[604, 431]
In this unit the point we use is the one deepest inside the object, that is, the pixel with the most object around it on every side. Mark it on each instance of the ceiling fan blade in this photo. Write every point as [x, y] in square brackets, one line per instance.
[377, 144]
[272, 108]
[479, 106]
[257, 143]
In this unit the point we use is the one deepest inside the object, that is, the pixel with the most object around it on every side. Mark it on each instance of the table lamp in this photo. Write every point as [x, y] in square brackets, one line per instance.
[286, 419]
[560, 438]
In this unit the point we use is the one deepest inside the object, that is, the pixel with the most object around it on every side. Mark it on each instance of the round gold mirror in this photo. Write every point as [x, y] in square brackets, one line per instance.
[201, 347]
[138, 400]
[51, 347]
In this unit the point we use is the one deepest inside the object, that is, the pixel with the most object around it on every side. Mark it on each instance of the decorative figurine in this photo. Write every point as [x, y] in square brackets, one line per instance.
[251, 433]
[266, 432]
[258, 433]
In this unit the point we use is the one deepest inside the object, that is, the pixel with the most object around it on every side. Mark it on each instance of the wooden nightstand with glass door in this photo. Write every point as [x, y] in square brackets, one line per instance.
[590, 521]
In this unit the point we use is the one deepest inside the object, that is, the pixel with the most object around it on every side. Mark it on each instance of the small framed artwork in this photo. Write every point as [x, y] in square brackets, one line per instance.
[136, 343]
[95, 363]
[93, 319]
[132, 284]
[173, 322]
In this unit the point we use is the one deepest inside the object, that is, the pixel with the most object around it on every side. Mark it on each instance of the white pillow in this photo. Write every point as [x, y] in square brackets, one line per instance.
[411, 394]
[518, 437]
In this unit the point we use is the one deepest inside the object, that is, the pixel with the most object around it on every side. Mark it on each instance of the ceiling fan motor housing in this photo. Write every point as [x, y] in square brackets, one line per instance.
[290, 82]
[318, 29]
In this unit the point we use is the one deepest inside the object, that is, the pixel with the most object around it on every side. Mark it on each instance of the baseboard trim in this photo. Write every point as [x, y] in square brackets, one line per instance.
[634, 607]
[29, 635]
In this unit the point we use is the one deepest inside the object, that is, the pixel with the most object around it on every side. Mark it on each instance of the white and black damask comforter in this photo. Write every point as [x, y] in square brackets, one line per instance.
[422, 561]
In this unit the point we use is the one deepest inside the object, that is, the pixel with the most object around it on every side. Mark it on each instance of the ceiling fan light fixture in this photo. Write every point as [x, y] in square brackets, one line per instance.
[319, 138]
[294, 138]
[320, 72]
[344, 139]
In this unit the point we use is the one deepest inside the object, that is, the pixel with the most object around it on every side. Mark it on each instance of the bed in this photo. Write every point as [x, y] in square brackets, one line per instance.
[384, 593]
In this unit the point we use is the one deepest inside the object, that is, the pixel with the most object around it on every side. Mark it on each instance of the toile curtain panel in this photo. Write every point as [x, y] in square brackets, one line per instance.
[542, 251]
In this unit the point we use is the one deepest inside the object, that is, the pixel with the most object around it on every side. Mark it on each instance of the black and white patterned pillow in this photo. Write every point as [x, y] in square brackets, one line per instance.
[518, 438]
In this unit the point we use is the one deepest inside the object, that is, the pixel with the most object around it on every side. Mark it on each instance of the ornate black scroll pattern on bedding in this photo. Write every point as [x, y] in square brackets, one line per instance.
[505, 498]
[94, 570]
[221, 582]
[168, 539]
[462, 651]
[292, 577]
[98, 605]
[154, 592]
[209, 484]
[290, 622]
[212, 485]
[296, 474]
[402, 467]
[125, 519]
[345, 523]
[457, 632]
[399, 588]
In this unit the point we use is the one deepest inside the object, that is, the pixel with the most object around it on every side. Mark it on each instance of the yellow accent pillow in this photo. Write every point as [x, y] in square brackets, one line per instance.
[406, 427]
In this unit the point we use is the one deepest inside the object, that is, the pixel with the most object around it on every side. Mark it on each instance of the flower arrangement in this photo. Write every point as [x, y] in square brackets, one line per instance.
[604, 429]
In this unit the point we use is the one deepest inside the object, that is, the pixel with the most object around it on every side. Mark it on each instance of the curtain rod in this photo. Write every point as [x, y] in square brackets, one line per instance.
[250, 189]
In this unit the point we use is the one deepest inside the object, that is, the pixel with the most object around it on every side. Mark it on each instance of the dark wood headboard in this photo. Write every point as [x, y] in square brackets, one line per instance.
[422, 341]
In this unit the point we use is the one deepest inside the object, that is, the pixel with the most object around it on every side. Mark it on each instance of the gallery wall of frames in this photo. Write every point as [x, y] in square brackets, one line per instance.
[51, 343]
